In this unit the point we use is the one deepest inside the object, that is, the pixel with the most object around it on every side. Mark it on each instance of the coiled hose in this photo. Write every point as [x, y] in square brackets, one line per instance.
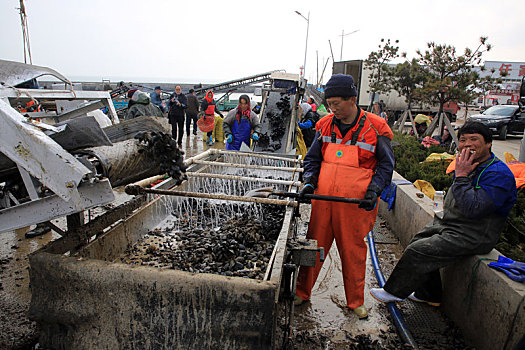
[396, 315]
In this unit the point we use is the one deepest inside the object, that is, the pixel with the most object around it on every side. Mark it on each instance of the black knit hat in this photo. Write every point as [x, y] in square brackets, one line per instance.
[340, 85]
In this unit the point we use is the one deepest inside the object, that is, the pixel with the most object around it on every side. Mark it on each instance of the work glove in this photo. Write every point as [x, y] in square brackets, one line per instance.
[514, 269]
[307, 189]
[229, 138]
[255, 136]
[370, 200]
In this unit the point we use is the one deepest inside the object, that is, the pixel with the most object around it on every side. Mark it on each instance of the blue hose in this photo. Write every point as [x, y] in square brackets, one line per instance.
[396, 315]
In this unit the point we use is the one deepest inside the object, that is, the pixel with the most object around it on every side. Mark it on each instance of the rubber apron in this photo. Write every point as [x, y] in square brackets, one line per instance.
[241, 132]
[341, 176]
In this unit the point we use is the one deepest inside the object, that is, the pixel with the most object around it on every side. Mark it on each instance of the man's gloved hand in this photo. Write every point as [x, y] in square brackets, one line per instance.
[229, 138]
[255, 136]
[307, 189]
[370, 200]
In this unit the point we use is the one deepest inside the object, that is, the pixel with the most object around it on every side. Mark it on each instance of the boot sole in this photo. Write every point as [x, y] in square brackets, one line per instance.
[425, 302]
[386, 302]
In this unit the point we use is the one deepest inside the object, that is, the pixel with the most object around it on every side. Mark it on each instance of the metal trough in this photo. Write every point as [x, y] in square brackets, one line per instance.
[82, 299]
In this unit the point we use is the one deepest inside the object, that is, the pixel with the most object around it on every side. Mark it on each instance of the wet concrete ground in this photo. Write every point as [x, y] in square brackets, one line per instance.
[326, 323]
[323, 323]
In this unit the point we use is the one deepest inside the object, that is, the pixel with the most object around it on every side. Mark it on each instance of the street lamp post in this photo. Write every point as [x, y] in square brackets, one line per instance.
[307, 19]
[342, 37]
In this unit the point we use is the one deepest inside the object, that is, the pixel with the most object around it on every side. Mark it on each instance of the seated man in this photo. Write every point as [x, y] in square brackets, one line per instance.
[476, 207]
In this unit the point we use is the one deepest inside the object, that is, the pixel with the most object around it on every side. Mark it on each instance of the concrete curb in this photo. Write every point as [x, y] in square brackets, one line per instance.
[496, 316]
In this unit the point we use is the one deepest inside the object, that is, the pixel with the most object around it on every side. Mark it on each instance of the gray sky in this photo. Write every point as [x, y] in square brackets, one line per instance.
[214, 41]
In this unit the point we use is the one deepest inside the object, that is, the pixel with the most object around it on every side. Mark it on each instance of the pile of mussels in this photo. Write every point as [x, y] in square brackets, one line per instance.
[240, 246]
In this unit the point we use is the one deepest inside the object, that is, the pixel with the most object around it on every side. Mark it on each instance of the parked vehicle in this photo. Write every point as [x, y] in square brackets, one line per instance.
[395, 104]
[502, 120]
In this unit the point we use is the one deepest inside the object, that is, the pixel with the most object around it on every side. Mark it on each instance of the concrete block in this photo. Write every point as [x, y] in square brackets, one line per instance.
[410, 212]
[91, 304]
[493, 316]
[496, 316]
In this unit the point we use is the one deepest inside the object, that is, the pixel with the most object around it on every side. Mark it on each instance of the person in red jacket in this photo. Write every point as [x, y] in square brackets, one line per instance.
[351, 156]
[311, 102]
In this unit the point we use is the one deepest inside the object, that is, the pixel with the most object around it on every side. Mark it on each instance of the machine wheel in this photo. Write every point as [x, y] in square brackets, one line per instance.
[503, 132]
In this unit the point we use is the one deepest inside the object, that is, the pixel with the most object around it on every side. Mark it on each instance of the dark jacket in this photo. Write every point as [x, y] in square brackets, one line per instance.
[193, 104]
[307, 126]
[176, 112]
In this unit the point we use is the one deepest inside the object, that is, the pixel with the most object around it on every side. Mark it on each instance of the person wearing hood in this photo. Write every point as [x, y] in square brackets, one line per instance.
[140, 104]
[312, 104]
[208, 108]
[307, 124]
[239, 124]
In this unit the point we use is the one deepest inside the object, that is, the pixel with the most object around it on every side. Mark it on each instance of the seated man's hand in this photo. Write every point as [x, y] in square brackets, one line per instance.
[307, 189]
[255, 136]
[370, 201]
[229, 138]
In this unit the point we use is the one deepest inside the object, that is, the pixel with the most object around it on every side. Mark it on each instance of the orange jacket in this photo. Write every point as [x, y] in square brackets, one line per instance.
[373, 127]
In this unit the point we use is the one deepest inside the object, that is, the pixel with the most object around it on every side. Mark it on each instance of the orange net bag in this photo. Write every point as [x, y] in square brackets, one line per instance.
[206, 123]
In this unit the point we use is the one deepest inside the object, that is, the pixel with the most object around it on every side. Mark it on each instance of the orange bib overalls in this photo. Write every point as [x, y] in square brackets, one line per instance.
[340, 175]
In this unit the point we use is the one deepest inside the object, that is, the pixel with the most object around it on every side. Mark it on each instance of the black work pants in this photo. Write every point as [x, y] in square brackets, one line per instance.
[189, 118]
[177, 130]
[418, 269]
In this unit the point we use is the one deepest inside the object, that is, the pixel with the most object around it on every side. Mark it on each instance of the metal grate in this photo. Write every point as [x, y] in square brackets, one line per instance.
[426, 323]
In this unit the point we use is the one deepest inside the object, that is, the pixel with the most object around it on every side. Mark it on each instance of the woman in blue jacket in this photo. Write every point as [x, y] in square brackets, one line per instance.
[239, 123]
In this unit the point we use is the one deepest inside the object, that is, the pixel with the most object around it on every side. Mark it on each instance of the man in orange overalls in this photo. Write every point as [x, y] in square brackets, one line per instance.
[351, 156]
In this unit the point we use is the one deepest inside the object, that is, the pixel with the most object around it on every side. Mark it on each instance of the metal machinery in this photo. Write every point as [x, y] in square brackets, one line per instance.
[279, 113]
[232, 85]
[44, 172]
[42, 163]
[85, 297]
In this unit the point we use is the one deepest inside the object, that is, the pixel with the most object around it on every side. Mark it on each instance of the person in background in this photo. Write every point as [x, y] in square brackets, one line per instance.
[141, 105]
[307, 124]
[376, 109]
[129, 94]
[156, 99]
[311, 102]
[192, 112]
[382, 106]
[209, 108]
[475, 210]
[351, 156]
[178, 104]
[240, 124]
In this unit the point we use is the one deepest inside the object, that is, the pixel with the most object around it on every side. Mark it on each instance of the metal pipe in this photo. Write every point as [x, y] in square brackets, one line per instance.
[149, 180]
[245, 178]
[255, 155]
[204, 154]
[249, 166]
[135, 190]
[403, 330]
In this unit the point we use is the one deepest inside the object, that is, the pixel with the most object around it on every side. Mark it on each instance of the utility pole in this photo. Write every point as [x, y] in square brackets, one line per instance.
[317, 63]
[331, 51]
[306, 45]
[342, 37]
[25, 33]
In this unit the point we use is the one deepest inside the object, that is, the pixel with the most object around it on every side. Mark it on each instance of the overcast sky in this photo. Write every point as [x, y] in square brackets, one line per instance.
[214, 41]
